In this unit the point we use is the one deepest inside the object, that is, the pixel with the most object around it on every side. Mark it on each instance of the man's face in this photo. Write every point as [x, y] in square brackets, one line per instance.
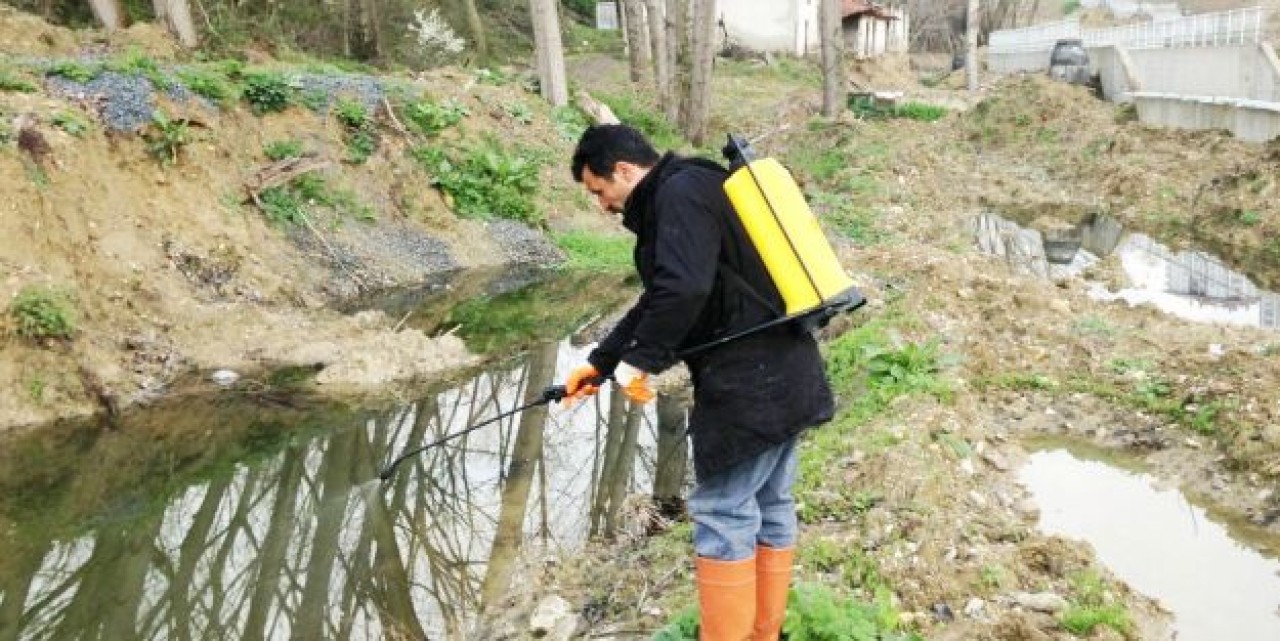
[612, 192]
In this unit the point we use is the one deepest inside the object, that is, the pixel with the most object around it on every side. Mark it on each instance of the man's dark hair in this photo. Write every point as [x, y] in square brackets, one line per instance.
[603, 146]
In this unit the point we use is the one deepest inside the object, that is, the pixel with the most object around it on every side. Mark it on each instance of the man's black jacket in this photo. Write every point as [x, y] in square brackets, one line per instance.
[704, 280]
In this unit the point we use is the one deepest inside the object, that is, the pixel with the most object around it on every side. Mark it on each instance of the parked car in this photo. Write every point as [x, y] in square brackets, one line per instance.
[1069, 62]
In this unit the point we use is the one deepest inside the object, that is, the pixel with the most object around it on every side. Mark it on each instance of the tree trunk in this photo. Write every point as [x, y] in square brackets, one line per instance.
[971, 27]
[636, 43]
[832, 56]
[363, 42]
[677, 56]
[661, 59]
[108, 12]
[702, 63]
[176, 15]
[476, 27]
[549, 51]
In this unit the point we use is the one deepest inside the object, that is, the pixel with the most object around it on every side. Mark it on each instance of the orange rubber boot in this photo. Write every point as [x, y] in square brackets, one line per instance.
[727, 598]
[773, 579]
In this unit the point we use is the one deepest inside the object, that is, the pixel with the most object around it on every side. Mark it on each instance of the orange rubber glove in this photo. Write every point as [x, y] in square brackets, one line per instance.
[634, 383]
[583, 381]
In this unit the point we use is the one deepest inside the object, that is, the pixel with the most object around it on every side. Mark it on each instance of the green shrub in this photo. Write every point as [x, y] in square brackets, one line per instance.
[430, 118]
[684, 627]
[281, 149]
[267, 92]
[650, 122]
[74, 71]
[486, 181]
[166, 138]
[282, 205]
[41, 313]
[209, 83]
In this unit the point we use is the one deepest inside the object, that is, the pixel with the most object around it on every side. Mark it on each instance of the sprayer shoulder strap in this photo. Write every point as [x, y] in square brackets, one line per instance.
[732, 276]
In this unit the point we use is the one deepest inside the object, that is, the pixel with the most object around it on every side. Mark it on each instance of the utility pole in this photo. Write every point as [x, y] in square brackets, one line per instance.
[971, 46]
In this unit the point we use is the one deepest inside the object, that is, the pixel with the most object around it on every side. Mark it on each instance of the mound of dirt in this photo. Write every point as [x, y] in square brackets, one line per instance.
[28, 35]
[892, 71]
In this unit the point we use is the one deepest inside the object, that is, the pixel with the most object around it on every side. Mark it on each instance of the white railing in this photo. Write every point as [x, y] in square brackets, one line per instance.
[1236, 27]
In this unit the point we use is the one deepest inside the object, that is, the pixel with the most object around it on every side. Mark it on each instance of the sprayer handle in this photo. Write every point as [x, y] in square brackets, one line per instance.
[554, 394]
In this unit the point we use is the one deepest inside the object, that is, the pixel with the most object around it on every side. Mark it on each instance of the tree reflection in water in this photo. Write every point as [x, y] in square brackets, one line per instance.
[225, 534]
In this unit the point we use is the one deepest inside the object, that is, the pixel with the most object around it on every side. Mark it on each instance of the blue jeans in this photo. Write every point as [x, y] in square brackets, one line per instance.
[748, 504]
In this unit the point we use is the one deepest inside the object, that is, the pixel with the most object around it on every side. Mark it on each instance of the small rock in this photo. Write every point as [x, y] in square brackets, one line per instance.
[973, 607]
[1192, 443]
[1060, 306]
[1040, 601]
[996, 460]
[977, 499]
[1216, 350]
[554, 618]
[966, 466]
[224, 377]
[942, 612]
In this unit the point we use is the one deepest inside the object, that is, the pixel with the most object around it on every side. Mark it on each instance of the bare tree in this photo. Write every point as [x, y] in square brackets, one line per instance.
[694, 123]
[476, 27]
[677, 14]
[832, 56]
[109, 13]
[654, 10]
[637, 44]
[549, 51]
[971, 46]
[176, 14]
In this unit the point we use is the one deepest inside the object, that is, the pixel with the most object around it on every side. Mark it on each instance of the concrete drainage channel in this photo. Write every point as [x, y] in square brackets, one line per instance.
[1188, 284]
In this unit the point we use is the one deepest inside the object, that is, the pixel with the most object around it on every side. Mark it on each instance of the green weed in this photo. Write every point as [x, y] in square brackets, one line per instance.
[430, 118]
[570, 122]
[683, 627]
[209, 83]
[485, 181]
[520, 112]
[74, 71]
[817, 613]
[595, 252]
[1249, 217]
[71, 123]
[281, 149]
[267, 92]
[36, 387]
[812, 163]
[166, 138]
[282, 205]
[41, 313]
[135, 63]
[362, 135]
[1094, 325]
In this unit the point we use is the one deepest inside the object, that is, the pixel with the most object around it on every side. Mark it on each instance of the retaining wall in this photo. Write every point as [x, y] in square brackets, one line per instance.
[1251, 120]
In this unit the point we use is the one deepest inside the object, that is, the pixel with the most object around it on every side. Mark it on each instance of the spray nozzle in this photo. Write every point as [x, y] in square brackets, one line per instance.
[738, 152]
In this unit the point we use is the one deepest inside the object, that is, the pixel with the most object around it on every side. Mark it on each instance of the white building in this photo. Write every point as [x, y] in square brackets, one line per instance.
[791, 26]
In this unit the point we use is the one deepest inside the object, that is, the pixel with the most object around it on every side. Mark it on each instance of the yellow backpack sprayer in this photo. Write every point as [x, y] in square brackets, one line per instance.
[791, 243]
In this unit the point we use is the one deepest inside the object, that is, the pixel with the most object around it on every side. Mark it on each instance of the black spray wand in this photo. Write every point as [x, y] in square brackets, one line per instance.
[549, 395]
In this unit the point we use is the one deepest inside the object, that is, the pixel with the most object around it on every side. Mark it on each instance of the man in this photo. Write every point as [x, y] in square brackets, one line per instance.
[703, 280]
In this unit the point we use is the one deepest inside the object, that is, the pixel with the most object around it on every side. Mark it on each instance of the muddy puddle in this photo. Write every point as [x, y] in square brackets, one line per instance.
[252, 515]
[1219, 579]
[1189, 284]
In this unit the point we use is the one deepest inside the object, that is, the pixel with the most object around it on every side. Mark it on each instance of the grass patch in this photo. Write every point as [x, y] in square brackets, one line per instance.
[267, 92]
[1092, 605]
[135, 63]
[869, 368]
[652, 123]
[71, 122]
[870, 108]
[11, 80]
[595, 252]
[361, 130]
[39, 313]
[281, 149]
[485, 180]
[293, 203]
[74, 71]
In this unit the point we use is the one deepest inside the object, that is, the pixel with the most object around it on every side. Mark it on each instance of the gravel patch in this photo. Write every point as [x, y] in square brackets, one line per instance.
[524, 245]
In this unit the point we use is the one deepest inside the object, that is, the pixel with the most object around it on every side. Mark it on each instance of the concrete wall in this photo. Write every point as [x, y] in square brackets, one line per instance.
[1116, 71]
[779, 25]
[1238, 71]
[1250, 120]
[1036, 60]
